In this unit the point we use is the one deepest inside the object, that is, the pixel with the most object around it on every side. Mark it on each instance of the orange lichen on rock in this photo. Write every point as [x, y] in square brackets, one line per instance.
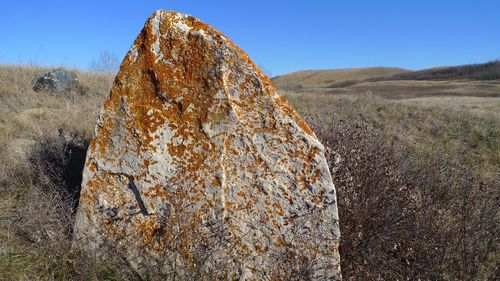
[194, 135]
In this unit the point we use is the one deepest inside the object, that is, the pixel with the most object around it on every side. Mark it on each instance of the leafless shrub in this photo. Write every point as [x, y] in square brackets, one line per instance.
[309, 251]
[195, 248]
[40, 222]
[107, 62]
[458, 220]
[376, 207]
[406, 215]
[57, 164]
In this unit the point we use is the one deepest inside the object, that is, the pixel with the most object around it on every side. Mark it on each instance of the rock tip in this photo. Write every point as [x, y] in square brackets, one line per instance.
[162, 12]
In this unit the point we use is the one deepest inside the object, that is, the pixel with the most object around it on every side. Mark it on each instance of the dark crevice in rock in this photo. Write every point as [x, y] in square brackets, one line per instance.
[163, 97]
[137, 194]
[179, 106]
[155, 81]
[200, 127]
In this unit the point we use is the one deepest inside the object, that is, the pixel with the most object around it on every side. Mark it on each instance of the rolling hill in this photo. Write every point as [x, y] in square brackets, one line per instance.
[483, 71]
[477, 80]
[329, 78]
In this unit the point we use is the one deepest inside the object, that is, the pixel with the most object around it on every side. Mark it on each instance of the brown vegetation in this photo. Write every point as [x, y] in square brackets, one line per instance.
[417, 188]
[417, 192]
[39, 175]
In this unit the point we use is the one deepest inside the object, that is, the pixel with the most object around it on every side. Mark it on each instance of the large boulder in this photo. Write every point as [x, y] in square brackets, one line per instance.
[201, 168]
[58, 80]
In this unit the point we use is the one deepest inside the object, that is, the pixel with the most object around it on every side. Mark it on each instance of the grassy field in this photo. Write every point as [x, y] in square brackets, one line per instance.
[477, 105]
[418, 180]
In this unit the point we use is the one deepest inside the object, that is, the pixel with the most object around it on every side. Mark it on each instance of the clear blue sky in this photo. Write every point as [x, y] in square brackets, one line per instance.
[281, 36]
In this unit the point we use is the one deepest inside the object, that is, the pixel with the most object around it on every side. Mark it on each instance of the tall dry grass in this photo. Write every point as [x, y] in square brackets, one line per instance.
[40, 135]
[417, 188]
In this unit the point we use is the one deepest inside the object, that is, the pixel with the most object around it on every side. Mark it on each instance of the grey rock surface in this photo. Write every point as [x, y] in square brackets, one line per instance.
[200, 167]
[58, 80]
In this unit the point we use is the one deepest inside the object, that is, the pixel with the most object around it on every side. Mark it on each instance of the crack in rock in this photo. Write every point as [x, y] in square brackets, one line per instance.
[137, 195]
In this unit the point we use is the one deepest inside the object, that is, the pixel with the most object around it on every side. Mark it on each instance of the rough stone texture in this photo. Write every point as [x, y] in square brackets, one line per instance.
[198, 163]
[58, 80]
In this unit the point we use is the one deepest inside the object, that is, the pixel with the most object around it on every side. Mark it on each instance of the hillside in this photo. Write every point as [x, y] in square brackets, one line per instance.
[483, 71]
[329, 78]
[480, 80]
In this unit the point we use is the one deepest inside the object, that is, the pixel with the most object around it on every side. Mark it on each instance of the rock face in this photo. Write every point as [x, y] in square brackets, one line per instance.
[58, 80]
[200, 167]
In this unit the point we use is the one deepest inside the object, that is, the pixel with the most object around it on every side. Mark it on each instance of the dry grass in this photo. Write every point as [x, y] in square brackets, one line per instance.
[477, 105]
[414, 89]
[475, 138]
[417, 186]
[35, 217]
[23, 112]
[407, 89]
[417, 189]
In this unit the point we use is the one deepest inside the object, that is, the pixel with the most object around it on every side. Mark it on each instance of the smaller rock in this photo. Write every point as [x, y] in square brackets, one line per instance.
[58, 80]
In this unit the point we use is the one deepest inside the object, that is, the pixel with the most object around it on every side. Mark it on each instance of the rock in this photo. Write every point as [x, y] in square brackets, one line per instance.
[58, 80]
[200, 167]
